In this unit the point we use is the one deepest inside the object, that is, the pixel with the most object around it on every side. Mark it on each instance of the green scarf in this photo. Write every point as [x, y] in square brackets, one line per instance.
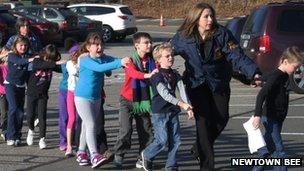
[142, 91]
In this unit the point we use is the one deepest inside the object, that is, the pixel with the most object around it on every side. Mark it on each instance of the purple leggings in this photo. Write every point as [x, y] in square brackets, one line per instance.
[63, 116]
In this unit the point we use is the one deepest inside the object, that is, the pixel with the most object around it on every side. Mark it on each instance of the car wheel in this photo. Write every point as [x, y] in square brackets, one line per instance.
[297, 80]
[107, 33]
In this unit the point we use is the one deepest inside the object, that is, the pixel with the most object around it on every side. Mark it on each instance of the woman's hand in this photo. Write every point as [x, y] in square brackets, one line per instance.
[256, 122]
[190, 114]
[257, 80]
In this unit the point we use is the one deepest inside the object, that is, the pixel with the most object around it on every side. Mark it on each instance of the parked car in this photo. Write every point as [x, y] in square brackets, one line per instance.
[118, 20]
[269, 30]
[7, 25]
[235, 25]
[12, 5]
[47, 31]
[66, 19]
[87, 26]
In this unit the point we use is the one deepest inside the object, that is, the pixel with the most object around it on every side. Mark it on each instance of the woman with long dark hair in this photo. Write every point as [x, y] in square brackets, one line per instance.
[210, 51]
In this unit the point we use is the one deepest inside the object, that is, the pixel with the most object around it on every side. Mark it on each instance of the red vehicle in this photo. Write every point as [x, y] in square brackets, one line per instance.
[7, 25]
[47, 31]
[269, 30]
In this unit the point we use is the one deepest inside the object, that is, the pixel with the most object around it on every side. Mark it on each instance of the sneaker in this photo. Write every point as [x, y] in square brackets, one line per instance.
[97, 160]
[30, 137]
[118, 161]
[147, 165]
[3, 137]
[82, 159]
[62, 147]
[17, 142]
[36, 122]
[10, 142]
[109, 155]
[69, 152]
[194, 153]
[139, 164]
[42, 144]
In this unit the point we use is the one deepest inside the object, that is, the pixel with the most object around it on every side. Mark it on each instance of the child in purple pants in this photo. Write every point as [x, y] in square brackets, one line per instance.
[62, 101]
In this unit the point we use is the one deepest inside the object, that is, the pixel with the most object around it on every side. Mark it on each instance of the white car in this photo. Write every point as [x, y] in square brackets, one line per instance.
[118, 20]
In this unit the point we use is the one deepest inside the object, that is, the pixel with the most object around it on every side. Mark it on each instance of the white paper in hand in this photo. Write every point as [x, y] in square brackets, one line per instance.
[255, 137]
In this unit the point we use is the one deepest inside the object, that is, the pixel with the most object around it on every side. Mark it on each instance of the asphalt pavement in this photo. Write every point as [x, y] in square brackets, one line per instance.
[231, 143]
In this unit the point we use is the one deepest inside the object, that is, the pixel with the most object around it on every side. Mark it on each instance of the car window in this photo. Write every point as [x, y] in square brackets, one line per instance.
[125, 10]
[291, 21]
[50, 13]
[255, 21]
[232, 25]
[98, 10]
[8, 18]
[32, 11]
[66, 11]
[74, 10]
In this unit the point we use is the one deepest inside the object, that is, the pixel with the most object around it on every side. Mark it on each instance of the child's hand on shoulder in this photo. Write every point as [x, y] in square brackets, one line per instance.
[125, 61]
[4, 52]
[32, 59]
[256, 122]
[149, 75]
[61, 62]
[154, 71]
[84, 54]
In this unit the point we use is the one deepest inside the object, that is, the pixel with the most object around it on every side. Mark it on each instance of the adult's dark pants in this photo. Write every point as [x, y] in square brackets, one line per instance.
[37, 106]
[15, 98]
[211, 116]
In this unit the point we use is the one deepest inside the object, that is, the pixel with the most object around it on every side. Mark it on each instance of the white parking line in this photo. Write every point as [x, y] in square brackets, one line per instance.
[253, 105]
[291, 133]
[247, 117]
[282, 133]
[254, 95]
[158, 32]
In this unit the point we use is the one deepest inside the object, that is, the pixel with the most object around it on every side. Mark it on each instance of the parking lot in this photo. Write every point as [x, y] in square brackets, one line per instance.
[231, 143]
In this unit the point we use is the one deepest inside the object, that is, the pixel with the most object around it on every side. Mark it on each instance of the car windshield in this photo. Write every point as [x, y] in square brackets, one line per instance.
[291, 21]
[255, 21]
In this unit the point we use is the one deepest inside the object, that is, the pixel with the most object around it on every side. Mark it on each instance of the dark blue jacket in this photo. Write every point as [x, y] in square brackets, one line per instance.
[17, 73]
[214, 67]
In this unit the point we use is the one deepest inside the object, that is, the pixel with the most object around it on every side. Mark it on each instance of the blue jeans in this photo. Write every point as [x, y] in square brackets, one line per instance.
[166, 130]
[15, 98]
[274, 142]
